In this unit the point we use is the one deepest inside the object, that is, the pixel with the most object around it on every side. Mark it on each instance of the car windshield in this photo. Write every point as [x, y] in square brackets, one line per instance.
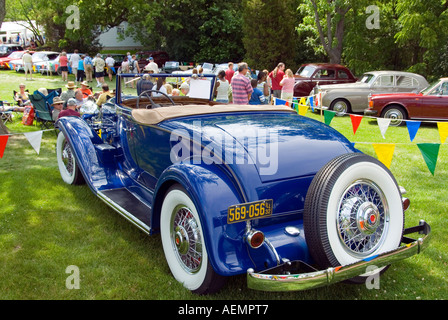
[171, 64]
[39, 56]
[3, 49]
[432, 89]
[305, 71]
[132, 86]
[367, 78]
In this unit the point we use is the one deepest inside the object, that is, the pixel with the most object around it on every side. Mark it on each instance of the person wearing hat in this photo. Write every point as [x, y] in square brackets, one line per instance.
[86, 92]
[57, 105]
[70, 111]
[70, 93]
[152, 65]
[184, 89]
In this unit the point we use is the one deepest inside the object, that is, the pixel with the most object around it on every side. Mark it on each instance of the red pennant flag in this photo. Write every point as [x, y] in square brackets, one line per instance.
[3, 141]
[356, 120]
[287, 103]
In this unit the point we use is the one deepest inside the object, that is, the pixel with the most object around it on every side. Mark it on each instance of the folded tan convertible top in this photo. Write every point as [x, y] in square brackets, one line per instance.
[155, 116]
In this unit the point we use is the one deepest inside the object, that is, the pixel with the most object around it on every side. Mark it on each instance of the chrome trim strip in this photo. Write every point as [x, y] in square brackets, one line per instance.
[126, 214]
[304, 281]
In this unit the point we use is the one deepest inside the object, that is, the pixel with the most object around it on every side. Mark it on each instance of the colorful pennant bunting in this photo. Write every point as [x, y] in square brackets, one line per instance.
[303, 110]
[384, 152]
[3, 142]
[413, 127]
[383, 124]
[430, 152]
[356, 120]
[443, 131]
[328, 116]
[35, 139]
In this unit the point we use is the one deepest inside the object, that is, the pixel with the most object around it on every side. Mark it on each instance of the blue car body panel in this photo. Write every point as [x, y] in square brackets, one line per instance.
[221, 159]
[136, 159]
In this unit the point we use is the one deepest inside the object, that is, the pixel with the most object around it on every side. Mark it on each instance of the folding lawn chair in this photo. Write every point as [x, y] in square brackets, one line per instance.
[42, 110]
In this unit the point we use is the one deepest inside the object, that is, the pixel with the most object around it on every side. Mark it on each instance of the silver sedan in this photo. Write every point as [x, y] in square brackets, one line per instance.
[353, 97]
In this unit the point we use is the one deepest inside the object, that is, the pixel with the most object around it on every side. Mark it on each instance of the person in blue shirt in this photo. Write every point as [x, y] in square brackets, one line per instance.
[88, 68]
[257, 96]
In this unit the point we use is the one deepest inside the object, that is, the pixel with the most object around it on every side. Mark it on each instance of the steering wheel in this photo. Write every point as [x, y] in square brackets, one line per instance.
[154, 105]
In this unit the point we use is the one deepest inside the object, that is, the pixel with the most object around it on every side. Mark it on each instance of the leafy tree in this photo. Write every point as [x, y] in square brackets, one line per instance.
[57, 19]
[188, 29]
[269, 32]
[424, 33]
[329, 19]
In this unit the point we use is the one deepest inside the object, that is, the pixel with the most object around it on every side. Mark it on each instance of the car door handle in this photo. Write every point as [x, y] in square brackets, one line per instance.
[129, 129]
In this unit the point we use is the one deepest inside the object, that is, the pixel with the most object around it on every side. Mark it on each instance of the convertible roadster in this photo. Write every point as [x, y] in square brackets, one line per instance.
[236, 189]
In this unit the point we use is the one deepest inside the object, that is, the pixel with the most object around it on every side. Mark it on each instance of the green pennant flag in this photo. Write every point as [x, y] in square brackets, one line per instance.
[328, 115]
[430, 153]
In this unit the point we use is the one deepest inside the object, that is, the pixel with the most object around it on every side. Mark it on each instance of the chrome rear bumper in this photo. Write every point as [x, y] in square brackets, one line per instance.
[283, 278]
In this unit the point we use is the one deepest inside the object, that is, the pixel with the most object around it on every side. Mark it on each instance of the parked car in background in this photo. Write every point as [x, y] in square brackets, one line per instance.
[314, 212]
[354, 97]
[171, 66]
[53, 65]
[6, 49]
[5, 61]
[309, 75]
[429, 104]
[160, 57]
[39, 59]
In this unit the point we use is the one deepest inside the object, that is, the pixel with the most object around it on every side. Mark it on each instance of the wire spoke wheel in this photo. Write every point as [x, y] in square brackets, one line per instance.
[353, 211]
[183, 243]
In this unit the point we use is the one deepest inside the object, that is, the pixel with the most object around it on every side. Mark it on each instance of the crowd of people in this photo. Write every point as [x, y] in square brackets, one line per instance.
[238, 87]
[232, 87]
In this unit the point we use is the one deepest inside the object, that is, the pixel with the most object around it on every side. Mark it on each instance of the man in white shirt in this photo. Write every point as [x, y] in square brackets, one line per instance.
[27, 64]
[110, 62]
[74, 61]
[152, 65]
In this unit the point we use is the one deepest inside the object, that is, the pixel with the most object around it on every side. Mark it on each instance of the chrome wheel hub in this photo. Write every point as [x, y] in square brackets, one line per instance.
[362, 218]
[186, 238]
[67, 158]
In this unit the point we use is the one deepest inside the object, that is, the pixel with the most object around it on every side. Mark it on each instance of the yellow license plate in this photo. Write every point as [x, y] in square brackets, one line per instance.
[249, 211]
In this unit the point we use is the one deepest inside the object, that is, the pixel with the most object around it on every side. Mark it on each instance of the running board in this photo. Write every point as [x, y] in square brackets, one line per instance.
[129, 206]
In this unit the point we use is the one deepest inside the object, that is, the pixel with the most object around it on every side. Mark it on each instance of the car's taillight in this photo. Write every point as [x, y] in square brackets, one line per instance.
[370, 104]
[255, 238]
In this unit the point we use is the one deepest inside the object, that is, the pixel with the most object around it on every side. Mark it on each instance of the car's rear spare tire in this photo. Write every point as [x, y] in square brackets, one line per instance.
[353, 211]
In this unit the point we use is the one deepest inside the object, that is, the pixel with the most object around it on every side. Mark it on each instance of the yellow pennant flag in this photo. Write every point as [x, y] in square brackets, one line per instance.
[302, 101]
[443, 131]
[384, 152]
[302, 110]
[34, 68]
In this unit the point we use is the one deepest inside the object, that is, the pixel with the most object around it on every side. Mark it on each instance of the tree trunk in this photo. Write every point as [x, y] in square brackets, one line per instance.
[333, 45]
[3, 128]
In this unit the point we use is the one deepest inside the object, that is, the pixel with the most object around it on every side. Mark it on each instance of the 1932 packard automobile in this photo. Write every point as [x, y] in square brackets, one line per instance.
[236, 189]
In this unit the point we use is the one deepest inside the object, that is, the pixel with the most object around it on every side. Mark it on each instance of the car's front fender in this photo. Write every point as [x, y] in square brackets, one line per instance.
[86, 145]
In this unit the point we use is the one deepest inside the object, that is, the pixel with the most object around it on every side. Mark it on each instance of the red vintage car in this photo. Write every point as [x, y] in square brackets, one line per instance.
[311, 74]
[4, 61]
[428, 104]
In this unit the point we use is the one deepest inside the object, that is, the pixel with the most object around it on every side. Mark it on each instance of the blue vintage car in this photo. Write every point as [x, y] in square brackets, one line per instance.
[236, 189]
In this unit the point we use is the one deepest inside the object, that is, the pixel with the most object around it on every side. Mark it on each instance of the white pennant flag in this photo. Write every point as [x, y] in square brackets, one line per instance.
[383, 124]
[34, 138]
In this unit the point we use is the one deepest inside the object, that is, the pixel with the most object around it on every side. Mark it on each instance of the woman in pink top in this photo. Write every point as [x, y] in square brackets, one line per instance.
[63, 64]
[287, 84]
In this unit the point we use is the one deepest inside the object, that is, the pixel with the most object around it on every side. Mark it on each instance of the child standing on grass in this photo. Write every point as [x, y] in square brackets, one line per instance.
[287, 84]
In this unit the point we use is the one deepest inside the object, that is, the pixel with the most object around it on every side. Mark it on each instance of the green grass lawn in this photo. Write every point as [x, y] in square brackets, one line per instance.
[47, 226]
